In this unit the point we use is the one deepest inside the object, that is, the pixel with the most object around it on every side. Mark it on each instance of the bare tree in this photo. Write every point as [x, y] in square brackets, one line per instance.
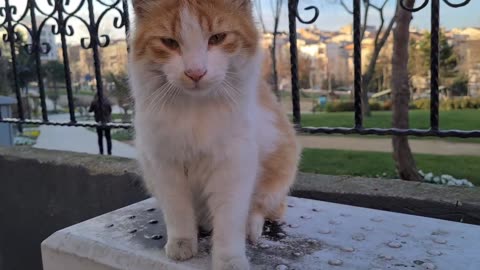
[276, 6]
[259, 10]
[381, 37]
[402, 153]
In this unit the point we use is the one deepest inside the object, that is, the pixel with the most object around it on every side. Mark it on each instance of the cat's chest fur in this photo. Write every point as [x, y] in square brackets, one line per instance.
[188, 130]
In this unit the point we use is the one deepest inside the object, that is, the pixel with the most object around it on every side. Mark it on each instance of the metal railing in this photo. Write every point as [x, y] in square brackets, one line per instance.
[63, 11]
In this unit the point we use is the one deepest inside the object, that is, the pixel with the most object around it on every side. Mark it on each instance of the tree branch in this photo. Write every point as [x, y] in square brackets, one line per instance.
[259, 9]
[346, 7]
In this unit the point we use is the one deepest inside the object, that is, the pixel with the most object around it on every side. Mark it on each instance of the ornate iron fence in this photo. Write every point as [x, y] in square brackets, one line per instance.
[62, 12]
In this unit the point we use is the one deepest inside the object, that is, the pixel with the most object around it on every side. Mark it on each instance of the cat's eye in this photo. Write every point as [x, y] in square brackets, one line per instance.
[170, 43]
[217, 39]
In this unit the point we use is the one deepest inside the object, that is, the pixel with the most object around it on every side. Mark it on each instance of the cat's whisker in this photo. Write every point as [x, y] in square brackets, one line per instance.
[234, 89]
[167, 97]
[160, 103]
[228, 94]
[234, 79]
[156, 97]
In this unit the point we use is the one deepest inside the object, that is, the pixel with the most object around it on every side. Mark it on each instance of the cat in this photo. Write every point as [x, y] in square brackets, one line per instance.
[215, 147]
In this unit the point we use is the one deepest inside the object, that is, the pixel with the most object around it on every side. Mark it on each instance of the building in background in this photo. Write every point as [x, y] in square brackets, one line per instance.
[47, 37]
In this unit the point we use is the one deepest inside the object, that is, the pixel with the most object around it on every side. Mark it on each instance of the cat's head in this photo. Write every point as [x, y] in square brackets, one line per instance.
[196, 45]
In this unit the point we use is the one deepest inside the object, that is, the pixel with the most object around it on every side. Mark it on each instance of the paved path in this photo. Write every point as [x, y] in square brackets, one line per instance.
[77, 139]
[436, 147]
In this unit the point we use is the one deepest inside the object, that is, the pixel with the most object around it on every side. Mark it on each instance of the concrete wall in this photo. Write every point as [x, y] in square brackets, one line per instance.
[44, 191]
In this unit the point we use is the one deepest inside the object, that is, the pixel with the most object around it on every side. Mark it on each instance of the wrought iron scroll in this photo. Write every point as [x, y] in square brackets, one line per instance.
[434, 54]
[60, 15]
[293, 15]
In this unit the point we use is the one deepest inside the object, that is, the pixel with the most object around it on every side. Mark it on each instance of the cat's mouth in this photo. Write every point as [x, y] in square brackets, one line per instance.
[197, 89]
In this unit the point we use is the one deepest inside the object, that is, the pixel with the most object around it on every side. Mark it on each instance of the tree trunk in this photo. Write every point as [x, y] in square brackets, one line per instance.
[366, 79]
[274, 69]
[402, 154]
[56, 97]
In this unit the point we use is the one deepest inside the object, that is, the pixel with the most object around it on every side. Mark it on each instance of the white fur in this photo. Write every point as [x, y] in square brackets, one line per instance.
[200, 154]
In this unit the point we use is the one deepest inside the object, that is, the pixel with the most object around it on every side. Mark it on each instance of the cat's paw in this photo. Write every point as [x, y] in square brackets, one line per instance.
[255, 227]
[231, 263]
[181, 249]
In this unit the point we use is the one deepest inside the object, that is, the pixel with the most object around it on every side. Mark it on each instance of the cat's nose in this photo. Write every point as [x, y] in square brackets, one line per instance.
[195, 74]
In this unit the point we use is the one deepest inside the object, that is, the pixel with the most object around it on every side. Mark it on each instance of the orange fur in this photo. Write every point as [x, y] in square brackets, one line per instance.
[215, 16]
[160, 19]
[280, 166]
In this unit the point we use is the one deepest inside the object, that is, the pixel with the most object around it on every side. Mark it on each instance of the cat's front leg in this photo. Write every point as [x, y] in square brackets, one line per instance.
[168, 183]
[230, 190]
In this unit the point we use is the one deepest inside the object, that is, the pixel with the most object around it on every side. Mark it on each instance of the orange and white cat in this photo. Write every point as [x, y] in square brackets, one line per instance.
[215, 147]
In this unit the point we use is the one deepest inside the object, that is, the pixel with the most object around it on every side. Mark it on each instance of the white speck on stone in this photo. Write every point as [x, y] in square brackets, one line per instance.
[367, 228]
[311, 241]
[347, 249]
[439, 241]
[394, 244]
[293, 225]
[264, 246]
[409, 225]
[335, 262]
[281, 234]
[281, 267]
[306, 217]
[385, 257]
[429, 266]
[358, 237]
[297, 254]
[434, 252]
[377, 219]
[335, 222]
[403, 234]
[325, 231]
[345, 215]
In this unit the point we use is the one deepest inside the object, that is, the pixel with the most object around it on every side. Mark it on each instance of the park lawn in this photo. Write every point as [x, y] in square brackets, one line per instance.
[122, 135]
[373, 164]
[457, 119]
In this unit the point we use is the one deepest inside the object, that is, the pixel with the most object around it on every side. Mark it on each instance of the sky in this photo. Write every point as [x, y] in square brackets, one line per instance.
[332, 15]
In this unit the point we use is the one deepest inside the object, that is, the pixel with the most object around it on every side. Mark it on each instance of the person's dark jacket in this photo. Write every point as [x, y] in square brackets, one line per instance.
[106, 110]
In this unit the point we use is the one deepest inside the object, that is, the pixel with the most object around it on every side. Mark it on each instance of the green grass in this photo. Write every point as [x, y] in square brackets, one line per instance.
[459, 119]
[122, 135]
[371, 164]
[121, 116]
[84, 93]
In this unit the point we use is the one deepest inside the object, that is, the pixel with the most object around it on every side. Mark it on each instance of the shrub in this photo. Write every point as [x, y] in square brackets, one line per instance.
[422, 104]
[447, 105]
[459, 103]
[466, 103]
[340, 106]
[375, 106]
[387, 105]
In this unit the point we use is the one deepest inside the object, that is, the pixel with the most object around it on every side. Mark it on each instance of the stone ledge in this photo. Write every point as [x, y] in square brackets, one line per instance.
[450, 203]
[316, 235]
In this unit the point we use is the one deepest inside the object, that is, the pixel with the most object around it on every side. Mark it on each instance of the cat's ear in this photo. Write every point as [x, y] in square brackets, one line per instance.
[142, 6]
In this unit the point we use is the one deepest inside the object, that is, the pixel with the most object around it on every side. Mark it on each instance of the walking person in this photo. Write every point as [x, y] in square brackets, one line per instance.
[103, 114]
